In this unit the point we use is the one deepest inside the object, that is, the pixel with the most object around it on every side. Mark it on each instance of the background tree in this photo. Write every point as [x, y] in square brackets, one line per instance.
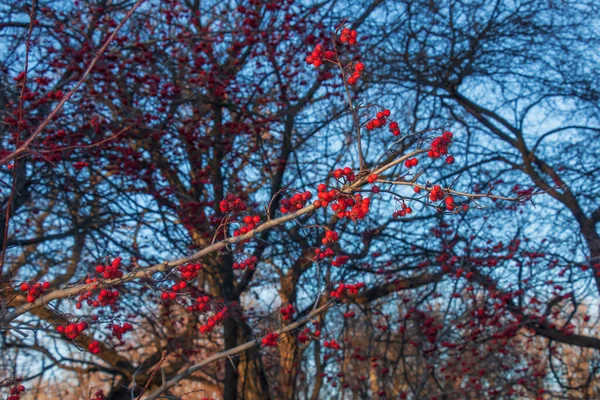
[202, 120]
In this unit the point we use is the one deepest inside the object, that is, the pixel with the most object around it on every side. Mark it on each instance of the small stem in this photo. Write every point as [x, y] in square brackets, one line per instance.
[352, 109]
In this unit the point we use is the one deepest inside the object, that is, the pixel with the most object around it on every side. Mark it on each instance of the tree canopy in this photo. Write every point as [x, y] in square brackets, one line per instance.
[299, 200]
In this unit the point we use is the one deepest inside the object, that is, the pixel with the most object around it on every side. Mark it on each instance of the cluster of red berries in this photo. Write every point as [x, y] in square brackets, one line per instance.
[348, 36]
[345, 172]
[318, 54]
[87, 296]
[449, 203]
[339, 261]
[79, 165]
[349, 314]
[332, 344]
[16, 390]
[232, 204]
[250, 222]
[94, 347]
[213, 321]
[172, 294]
[287, 312]
[440, 145]
[295, 203]
[34, 291]
[436, 193]
[346, 289]
[394, 128]
[270, 340]
[411, 162]
[201, 306]
[404, 211]
[189, 271]
[111, 271]
[72, 330]
[330, 237]
[118, 331]
[380, 120]
[303, 336]
[106, 298]
[325, 195]
[249, 263]
[166, 296]
[358, 69]
[359, 207]
[321, 254]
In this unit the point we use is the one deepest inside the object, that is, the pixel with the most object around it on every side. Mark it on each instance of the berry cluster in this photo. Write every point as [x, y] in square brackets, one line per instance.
[250, 222]
[35, 290]
[449, 203]
[394, 128]
[106, 298]
[232, 204]
[330, 237]
[346, 173]
[201, 306]
[287, 312]
[321, 254]
[436, 193]
[339, 261]
[16, 390]
[404, 211]
[72, 330]
[380, 120]
[303, 336]
[295, 203]
[359, 207]
[440, 145]
[349, 314]
[318, 54]
[348, 36]
[94, 347]
[79, 165]
[358, 69]
[249, 263]
[118, 331]
[213, 321]
[346, 289]
[332, 344]
[325, 196]
[270, 340]
[172, 294]
[411, 162]
[189, 271]
[87, 296]
[111, 271]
